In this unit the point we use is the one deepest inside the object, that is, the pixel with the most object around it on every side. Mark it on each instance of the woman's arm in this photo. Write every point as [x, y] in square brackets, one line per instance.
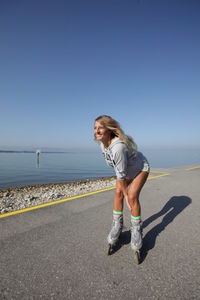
[122, 185]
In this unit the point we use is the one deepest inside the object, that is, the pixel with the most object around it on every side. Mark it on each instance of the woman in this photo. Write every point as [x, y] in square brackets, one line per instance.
[132, 170]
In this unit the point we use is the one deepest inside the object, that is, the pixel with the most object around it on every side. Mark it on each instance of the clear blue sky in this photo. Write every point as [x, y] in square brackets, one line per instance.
[63, 63]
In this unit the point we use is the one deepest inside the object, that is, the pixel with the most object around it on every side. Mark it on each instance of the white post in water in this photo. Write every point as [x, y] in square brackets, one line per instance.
[38, 158]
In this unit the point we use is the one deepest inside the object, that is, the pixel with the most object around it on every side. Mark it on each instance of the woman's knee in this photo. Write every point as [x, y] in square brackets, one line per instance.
[133, 198]
[118, 193]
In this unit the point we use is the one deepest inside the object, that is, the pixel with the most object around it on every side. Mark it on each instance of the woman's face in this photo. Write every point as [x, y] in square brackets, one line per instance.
[101, 133]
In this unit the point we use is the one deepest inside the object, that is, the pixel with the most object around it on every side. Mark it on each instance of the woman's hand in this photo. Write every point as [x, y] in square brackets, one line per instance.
[123, 186]
[127, 202]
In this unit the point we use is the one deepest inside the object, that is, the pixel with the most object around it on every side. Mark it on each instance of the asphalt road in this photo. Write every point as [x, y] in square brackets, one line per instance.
[59, 252]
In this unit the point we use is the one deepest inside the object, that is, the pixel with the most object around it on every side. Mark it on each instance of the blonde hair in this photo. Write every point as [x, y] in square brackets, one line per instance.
[116, 131]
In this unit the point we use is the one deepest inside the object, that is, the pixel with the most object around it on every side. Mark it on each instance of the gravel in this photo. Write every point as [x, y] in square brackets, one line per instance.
[13, 199]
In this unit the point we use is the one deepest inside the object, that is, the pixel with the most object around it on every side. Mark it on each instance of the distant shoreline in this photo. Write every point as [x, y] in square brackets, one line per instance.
[27, 151]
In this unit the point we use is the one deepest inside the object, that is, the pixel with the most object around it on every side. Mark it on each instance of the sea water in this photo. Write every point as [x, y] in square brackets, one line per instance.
[20, 169]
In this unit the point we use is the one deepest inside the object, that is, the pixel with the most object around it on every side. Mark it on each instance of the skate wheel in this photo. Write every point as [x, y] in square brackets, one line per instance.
[137, 257]
[109, 249]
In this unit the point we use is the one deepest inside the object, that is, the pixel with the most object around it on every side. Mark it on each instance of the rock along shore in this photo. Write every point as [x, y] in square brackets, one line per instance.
[12, 199]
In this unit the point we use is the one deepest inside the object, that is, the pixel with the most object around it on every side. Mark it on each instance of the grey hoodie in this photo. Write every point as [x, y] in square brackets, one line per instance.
[126, 164]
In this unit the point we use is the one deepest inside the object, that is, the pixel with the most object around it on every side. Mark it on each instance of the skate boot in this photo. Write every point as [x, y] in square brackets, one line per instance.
[136, 238]
[115, 232]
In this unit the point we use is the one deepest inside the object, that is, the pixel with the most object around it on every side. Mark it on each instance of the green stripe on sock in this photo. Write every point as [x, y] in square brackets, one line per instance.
[117, 212]
[136, 218]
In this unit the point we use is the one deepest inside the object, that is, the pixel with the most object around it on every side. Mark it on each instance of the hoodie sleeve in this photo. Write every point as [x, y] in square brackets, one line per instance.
[120, 161]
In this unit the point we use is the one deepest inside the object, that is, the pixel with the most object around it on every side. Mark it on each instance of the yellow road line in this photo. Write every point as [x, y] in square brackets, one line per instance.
[159, 172]
[192, 168]
[157, 176]
[20, 211]
[53, 203]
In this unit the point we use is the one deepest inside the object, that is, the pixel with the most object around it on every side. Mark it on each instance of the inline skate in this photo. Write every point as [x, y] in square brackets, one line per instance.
[115, 232]
[136, 238]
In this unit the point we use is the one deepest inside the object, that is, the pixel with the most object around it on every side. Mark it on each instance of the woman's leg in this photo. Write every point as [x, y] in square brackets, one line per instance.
[136, 224]
[117, 223]
[118, 202]
[134, 192]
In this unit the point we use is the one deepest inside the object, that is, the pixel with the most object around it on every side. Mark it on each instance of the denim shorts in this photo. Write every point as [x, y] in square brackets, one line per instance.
[146, 166]
[141, 164]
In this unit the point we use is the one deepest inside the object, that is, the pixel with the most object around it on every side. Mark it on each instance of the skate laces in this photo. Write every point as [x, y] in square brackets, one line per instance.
[136, 235]
[116, 227]
[136, 231]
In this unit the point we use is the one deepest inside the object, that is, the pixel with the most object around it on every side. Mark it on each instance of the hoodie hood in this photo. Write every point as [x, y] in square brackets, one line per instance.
[115, 141]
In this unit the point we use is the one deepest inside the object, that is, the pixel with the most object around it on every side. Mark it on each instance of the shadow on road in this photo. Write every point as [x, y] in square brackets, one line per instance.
[171, 209]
